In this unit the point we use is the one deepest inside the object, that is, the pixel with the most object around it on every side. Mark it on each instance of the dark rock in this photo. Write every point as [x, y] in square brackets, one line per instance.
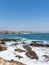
[29, 53]
[19, 50]
[39, 44]
[24, 43]
[2, 48]
[27, 47]
[8, 39]
[32, 55]
[19, 56]
[47, 45]
[2, 42]
[46, 58]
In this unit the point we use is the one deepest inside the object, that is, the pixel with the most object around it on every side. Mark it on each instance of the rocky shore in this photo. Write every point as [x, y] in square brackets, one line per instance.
[18, 52]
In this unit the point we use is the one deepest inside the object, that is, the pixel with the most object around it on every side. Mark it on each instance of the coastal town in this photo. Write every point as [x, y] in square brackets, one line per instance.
[14, 32]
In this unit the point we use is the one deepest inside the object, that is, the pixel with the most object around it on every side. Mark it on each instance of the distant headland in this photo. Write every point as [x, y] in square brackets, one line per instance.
[15, 32]
[19, 32]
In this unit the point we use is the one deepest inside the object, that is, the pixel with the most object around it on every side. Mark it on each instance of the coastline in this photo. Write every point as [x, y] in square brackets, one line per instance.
[21, 53]
[23, 32]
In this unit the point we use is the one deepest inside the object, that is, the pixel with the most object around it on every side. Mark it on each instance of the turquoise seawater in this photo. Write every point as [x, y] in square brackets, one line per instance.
[43, 36]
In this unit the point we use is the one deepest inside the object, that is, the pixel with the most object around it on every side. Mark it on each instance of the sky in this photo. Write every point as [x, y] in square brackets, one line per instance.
[24, 15]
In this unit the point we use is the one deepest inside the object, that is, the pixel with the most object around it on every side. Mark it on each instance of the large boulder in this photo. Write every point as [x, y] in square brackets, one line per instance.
[29, 53]
[32, 55]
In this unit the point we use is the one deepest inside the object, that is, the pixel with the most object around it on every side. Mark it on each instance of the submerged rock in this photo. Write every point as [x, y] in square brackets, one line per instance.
[15, 44]
[10, 39]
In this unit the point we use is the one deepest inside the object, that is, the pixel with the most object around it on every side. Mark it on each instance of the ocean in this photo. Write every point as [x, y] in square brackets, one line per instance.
[44, 36]
[22, 41]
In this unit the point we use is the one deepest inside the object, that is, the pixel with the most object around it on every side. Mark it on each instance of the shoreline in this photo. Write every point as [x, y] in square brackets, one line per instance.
[22, 53]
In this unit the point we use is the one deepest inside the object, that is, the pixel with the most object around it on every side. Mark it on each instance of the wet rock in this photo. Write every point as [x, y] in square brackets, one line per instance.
[29, 53]
[47, 45]
[19, 50]
[39, 44]
[27, 47]
[32, 55]
[19, 56]
[36, 45]
[2, 42]
[46, 58]
[23, 43]
[2, 48]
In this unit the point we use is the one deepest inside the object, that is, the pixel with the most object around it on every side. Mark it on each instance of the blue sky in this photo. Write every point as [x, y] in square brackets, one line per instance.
[24, 15]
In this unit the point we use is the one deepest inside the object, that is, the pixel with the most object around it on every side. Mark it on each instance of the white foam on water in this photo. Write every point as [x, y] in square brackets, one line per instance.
[10, 54]
[9, 43]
